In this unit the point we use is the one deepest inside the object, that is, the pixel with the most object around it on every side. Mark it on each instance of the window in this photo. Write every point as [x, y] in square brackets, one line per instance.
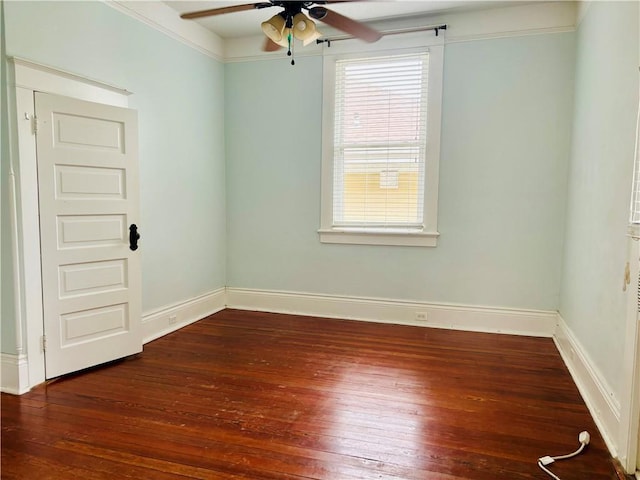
[381, 136]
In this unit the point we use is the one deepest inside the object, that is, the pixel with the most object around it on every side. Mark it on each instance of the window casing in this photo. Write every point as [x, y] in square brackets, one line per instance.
[381, 146]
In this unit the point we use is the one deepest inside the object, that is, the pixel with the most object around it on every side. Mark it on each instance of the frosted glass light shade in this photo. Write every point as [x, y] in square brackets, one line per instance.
[274, 27]
[316, 35]
[303, 27]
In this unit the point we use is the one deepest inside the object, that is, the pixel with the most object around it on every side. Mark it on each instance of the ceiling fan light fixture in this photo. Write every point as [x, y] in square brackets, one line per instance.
[274, 28]
[290, 24]
[303, 27]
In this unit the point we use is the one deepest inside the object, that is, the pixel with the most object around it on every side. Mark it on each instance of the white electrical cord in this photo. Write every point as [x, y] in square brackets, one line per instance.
[583, 438]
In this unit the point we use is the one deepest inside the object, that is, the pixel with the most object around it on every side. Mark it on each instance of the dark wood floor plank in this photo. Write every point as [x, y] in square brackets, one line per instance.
[246, 395]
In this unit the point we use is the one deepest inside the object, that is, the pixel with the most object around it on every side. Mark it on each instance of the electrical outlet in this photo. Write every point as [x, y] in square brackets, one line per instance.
[421, 316]
[172, 319]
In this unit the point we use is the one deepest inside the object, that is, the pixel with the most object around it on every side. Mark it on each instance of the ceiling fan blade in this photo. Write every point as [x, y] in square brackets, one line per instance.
[346, 24]
[270, 45]
[219, 11]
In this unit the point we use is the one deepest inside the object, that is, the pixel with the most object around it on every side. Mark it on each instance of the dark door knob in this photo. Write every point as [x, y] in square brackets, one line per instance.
[134, 236]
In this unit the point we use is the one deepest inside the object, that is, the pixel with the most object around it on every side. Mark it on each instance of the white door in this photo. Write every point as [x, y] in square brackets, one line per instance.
[88, 197]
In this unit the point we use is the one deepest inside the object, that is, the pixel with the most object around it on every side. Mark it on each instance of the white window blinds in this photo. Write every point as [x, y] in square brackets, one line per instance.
[380, 132]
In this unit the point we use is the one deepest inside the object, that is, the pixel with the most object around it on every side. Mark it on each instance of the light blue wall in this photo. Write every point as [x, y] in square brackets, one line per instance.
[7, 336]
[178, 93]
[606, 99]
[505, 143]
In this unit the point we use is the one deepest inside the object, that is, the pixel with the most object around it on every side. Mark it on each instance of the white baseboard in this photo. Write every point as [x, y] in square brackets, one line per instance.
[458, 317]
[14, 374]
[596, 393]
[170, 318]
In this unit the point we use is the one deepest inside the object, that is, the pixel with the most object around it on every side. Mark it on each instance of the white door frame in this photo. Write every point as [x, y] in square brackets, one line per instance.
[28, 77]
[630, 401]
[629, 431]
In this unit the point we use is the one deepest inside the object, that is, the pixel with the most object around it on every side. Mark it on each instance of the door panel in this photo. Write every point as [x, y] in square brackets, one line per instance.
[73, 182]
[94, 324]
[88, 189]
[92, 277]
[87, 231]
[74, 131]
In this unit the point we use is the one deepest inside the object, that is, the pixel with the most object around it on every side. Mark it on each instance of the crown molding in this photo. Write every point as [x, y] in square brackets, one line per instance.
[510, 21]
[163, 18]
[582, 9]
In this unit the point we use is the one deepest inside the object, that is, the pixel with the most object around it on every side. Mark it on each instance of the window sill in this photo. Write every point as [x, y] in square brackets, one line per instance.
[356, 236]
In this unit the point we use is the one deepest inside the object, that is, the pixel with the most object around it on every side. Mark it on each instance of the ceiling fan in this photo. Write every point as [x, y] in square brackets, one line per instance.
[292, 23]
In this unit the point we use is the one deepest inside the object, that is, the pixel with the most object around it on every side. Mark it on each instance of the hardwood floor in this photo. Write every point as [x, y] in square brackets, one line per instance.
[245, 395]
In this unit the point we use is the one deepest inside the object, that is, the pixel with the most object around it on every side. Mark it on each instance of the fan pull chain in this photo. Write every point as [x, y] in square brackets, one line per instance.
[290, 51]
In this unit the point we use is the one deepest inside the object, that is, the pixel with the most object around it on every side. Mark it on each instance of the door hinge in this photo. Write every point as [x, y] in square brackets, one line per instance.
[43, 343]
[33, 120]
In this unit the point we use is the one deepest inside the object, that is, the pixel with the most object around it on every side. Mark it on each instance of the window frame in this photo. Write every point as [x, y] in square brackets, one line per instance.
[427, 236]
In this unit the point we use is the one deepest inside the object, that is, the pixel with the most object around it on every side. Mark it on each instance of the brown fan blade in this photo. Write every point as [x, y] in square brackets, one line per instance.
[346, 24]
[221, 10]
[270, 45]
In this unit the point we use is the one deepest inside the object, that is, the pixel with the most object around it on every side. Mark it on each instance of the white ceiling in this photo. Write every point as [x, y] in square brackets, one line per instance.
[240, 24]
